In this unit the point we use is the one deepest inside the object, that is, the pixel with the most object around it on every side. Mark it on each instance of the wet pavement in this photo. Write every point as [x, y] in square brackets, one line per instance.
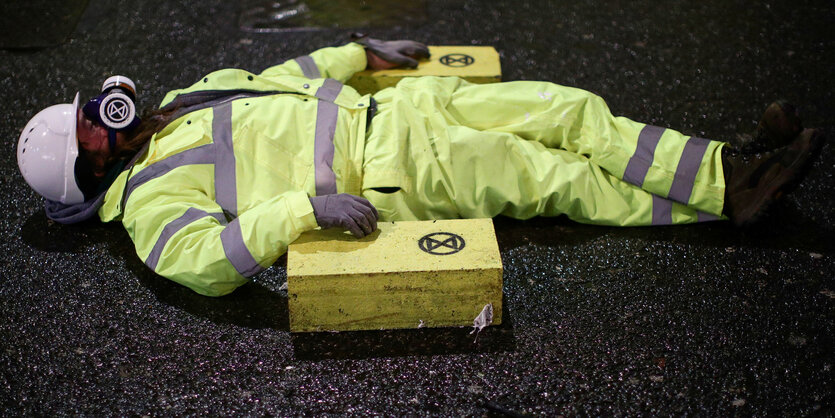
[704, 320]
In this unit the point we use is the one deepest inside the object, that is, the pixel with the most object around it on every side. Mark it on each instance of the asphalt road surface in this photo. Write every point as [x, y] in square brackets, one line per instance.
[703, 320]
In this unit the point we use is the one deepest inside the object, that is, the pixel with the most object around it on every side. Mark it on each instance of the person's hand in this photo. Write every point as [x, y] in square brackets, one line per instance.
[353, 213]
[383, 55]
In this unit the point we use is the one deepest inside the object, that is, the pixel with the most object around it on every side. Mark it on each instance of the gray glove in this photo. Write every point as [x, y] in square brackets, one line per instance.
[398, 52]
[353, 213]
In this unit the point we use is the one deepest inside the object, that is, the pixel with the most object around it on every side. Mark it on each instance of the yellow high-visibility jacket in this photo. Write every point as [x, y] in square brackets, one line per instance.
[223, 190]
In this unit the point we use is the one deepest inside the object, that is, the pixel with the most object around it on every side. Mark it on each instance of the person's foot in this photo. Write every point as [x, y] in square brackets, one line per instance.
[779, 125]
[753, 182]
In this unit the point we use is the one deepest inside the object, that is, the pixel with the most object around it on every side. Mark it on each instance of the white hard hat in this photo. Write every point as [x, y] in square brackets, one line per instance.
[47, 150]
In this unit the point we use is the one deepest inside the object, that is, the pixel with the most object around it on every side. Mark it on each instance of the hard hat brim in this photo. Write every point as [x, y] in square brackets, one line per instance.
[72, 193]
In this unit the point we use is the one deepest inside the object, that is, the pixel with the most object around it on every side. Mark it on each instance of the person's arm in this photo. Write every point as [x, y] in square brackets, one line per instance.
[182, 235]
[342, 62]
[339, 63]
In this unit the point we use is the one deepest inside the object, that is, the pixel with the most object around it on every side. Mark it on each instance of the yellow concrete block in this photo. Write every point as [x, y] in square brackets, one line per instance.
[404, 275]
[477, 64]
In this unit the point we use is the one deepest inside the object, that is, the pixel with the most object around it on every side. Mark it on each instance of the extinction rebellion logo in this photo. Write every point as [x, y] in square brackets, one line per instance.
[441, 243]
[117, 110]
[456, 60]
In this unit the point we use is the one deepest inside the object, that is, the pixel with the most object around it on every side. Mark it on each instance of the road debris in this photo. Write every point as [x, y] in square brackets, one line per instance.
[484, 319]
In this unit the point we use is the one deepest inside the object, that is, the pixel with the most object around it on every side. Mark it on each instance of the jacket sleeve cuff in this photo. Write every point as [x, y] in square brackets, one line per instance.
[301, 211]
[340, 63]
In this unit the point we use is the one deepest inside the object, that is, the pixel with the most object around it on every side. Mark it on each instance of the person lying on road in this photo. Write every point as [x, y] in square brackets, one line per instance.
[214, 184]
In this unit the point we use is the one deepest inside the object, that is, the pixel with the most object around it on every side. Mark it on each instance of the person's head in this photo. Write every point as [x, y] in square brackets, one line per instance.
[65, 151]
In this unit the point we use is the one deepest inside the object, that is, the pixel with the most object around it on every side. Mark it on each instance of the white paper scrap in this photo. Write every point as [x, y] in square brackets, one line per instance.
[484, 319]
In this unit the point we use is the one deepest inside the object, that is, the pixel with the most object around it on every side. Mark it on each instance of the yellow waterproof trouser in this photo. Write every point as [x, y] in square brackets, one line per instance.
[524, 149]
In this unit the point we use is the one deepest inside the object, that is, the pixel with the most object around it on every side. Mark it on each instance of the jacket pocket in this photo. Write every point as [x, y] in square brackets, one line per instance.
[275, 165]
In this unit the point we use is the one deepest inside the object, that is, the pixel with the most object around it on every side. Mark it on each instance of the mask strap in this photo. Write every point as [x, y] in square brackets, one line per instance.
[111, 139]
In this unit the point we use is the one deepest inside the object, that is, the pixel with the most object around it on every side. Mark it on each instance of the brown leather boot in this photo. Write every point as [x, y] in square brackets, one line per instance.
[753, 182]
[779, 125]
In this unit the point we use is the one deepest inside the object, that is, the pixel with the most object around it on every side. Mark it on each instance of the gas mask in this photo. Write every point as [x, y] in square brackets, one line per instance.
[114, 108]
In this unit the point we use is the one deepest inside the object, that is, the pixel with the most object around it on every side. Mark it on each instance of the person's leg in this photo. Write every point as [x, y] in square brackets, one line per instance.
[498, 173]
[661, 161]
[434, 112]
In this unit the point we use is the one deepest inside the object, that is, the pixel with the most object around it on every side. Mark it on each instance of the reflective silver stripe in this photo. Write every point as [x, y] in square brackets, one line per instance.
[326, 116]
[688, 167]
[220, 216]
[236, 251]
[212, 103]
[226, 189]
[309, 68]
[706, 217]
[662, 211]
[203, 154]
[638, 165]
[172, 228]
[330, 90]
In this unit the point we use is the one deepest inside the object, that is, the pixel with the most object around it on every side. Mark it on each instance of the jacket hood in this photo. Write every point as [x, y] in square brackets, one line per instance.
[72, 214]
